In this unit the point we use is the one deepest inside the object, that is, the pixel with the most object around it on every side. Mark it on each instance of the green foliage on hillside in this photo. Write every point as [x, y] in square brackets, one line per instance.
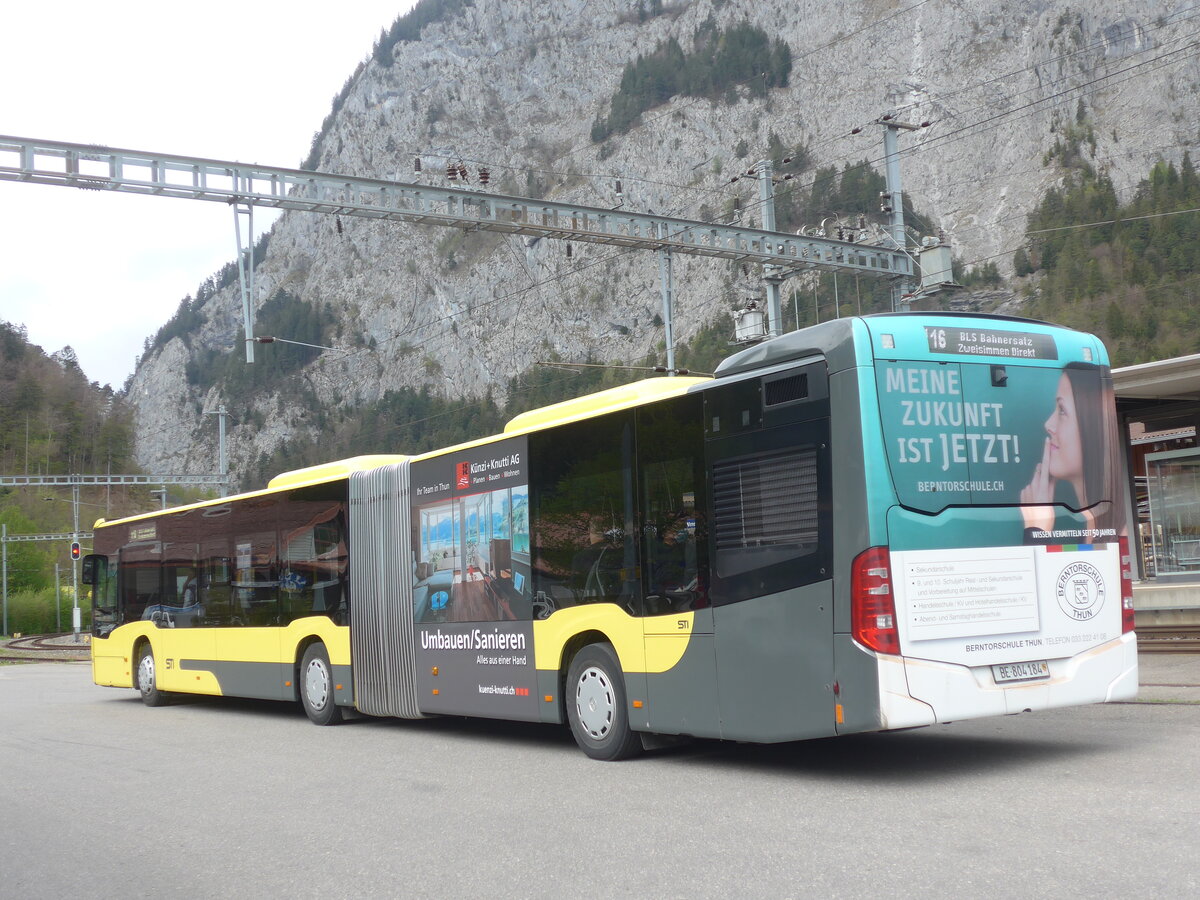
[829, 194]
[283, 316]
[415, 421]
[402, 421]
[1133, 282]
[54, 422]
[719, 63]
[708, 346]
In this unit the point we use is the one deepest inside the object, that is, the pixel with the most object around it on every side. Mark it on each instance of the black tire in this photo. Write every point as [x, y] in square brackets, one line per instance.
[597, 707]
[145, 678]
[316, 687]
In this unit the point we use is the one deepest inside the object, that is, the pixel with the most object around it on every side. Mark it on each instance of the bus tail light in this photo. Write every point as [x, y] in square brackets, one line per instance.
[1126, 586]
[872, 609]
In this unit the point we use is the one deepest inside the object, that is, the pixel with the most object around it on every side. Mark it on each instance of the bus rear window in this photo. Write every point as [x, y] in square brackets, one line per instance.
[984, 434]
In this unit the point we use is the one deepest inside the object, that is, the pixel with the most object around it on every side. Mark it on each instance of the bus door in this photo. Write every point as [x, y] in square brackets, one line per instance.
[770, 468]
[677, 615]
[184, 645]
[249, 654]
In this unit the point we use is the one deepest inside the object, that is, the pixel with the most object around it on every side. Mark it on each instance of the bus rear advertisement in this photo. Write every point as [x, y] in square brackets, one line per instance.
[875, 523]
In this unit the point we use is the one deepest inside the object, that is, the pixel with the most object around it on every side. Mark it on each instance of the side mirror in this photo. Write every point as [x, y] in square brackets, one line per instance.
[93, 564]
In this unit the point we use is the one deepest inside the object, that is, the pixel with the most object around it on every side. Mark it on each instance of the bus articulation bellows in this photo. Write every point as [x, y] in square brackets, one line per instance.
[875, 523]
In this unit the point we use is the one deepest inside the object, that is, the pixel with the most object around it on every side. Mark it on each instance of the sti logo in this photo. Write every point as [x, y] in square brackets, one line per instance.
[463, 476]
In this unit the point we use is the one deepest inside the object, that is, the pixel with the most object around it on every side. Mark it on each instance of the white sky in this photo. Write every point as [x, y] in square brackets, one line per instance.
[249, 81]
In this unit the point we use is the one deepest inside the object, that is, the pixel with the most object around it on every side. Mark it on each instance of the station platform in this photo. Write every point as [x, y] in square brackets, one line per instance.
[1166, 603]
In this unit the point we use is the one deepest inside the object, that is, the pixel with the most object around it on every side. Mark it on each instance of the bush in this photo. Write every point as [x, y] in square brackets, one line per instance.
[32, 612]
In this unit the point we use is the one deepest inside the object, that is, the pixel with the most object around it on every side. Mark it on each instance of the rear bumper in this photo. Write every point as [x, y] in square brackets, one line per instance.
[922, 692]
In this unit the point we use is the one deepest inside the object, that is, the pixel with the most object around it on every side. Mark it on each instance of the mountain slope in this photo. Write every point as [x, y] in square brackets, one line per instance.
[519, 88]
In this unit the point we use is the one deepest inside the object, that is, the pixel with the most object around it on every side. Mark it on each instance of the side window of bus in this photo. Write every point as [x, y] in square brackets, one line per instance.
[312, 564]
[770, 477]
[584, 548]
[770, 521]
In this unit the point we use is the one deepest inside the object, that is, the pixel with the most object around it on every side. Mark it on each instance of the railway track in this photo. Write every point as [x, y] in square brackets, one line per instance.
[1168, 639]
[43, 647]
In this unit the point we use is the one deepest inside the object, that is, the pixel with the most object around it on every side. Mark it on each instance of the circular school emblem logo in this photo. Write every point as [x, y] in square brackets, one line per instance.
[1080, 591]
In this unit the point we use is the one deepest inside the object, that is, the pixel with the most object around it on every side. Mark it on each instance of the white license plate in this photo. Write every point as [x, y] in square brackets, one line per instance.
[1022, 671]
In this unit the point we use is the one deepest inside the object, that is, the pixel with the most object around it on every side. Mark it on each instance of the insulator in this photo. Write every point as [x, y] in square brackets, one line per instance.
[841, 234]
[451, 171]
[568, 249]
[462, 172]
[786, 160]
[338, 221]
[484, 176]
[888, 117]
[737, 204]
[926, 124]
[619, 191]
[856, 130]
[417, 164]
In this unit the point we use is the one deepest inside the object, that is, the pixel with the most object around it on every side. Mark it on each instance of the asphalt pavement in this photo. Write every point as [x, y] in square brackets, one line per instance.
[1168, 678]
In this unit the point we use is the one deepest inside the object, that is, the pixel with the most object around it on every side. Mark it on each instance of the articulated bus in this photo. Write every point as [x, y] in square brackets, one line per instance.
[875, 523]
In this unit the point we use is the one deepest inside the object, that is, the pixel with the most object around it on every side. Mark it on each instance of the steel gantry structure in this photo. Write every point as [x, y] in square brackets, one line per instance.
[245, 186]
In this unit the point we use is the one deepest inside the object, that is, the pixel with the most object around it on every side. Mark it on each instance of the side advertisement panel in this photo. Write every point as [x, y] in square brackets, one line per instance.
[471, 592]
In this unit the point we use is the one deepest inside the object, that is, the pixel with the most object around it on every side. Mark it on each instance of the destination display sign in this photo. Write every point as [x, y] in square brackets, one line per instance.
[975, 341]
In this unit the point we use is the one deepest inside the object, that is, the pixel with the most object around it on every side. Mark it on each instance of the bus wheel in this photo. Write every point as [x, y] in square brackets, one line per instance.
[316, 687]
[145, 680]
[596, 705]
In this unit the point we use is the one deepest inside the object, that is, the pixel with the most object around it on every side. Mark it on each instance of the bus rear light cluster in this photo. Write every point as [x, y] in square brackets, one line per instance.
[1126, 586]
[872, 608]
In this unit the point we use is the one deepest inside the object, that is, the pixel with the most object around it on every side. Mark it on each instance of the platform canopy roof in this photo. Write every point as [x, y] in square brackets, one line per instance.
[1165, 379]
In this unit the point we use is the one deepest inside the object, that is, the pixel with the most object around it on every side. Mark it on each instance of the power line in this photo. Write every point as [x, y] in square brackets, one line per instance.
[1177, 212]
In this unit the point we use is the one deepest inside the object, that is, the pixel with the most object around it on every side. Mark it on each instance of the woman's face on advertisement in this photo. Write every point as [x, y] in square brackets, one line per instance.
[1066, 452]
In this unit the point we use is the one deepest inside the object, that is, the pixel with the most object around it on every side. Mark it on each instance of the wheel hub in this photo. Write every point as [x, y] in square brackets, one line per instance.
[595, 702]
[316, 685]
[146, 673]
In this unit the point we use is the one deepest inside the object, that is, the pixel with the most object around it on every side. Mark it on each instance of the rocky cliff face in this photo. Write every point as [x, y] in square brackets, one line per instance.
[516, 87]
